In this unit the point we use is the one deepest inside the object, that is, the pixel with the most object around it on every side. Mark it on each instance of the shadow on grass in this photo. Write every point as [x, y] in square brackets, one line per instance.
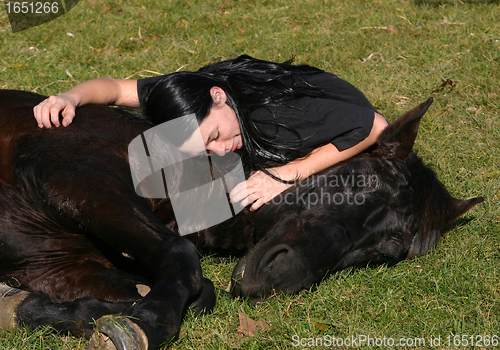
[462, 221]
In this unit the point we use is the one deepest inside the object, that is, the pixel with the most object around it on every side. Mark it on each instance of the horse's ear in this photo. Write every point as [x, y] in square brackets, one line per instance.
[461, 206]
[398, 138]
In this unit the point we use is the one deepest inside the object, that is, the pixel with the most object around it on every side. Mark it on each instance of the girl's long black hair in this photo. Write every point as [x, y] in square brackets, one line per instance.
[249, 84]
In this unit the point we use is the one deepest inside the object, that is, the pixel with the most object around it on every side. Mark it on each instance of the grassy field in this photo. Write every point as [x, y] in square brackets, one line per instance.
[399, 53]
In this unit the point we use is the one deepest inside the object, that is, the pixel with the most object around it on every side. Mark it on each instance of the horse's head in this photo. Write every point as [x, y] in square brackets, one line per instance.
[381, 207]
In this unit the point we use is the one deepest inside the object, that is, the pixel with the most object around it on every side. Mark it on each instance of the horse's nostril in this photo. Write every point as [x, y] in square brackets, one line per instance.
[273, 256]
[271, 268]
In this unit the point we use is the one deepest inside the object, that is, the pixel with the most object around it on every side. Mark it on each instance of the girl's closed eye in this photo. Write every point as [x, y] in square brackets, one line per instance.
[213, 138]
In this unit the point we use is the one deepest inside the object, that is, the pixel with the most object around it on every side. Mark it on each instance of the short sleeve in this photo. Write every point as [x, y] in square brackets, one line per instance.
[315, 122]
[338, 89]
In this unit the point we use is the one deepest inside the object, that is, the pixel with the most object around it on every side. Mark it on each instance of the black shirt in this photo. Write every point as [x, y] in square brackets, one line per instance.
[343, 117]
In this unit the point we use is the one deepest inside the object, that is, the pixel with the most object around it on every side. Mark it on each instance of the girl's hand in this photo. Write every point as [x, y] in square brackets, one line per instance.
[258, 189]
[48, 111]
[98, 91]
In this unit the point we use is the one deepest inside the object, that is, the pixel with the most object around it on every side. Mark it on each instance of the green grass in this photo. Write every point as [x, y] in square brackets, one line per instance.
[399, 53]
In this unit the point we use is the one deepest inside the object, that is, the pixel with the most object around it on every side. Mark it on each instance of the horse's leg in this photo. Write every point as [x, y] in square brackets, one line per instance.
[38, 254]
[31, 310]
[69, 280]
[105, 203]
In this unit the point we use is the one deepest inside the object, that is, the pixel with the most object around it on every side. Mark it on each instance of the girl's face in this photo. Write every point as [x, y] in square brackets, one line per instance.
[219, 130]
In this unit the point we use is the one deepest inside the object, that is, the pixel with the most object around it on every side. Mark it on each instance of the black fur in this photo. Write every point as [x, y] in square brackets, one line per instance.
[74, 232]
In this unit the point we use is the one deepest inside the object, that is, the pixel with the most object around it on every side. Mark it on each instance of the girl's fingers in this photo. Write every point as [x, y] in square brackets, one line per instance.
[257, 190]
[68, 116]
[257, 204]
[45, 114]
[42, 113]
[67, 120]
[250, 199]
[54, 115]
[239, 192]
[245, 195]
[37, 116]
[48, 112]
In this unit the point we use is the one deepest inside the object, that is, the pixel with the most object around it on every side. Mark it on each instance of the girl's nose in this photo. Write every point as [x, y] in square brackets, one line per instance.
[219, 148]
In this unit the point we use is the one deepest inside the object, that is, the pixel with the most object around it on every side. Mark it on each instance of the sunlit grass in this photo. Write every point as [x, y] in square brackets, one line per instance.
[399, 53]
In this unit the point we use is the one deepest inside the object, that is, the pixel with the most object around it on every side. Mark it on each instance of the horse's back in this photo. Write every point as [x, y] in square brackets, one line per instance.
[16, 109]
[92, 124]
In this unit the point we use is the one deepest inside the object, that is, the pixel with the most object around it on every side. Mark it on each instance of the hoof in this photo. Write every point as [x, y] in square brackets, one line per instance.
[117, 333]
[10, 298]
[205, 302]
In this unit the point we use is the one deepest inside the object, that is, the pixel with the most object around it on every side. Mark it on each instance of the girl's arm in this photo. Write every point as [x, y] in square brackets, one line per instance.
[328, 155]
[260, 188]
[97, 91]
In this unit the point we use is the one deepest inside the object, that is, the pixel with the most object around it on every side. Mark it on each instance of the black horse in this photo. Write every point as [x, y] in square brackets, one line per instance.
[382, 206]
[77, 243]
